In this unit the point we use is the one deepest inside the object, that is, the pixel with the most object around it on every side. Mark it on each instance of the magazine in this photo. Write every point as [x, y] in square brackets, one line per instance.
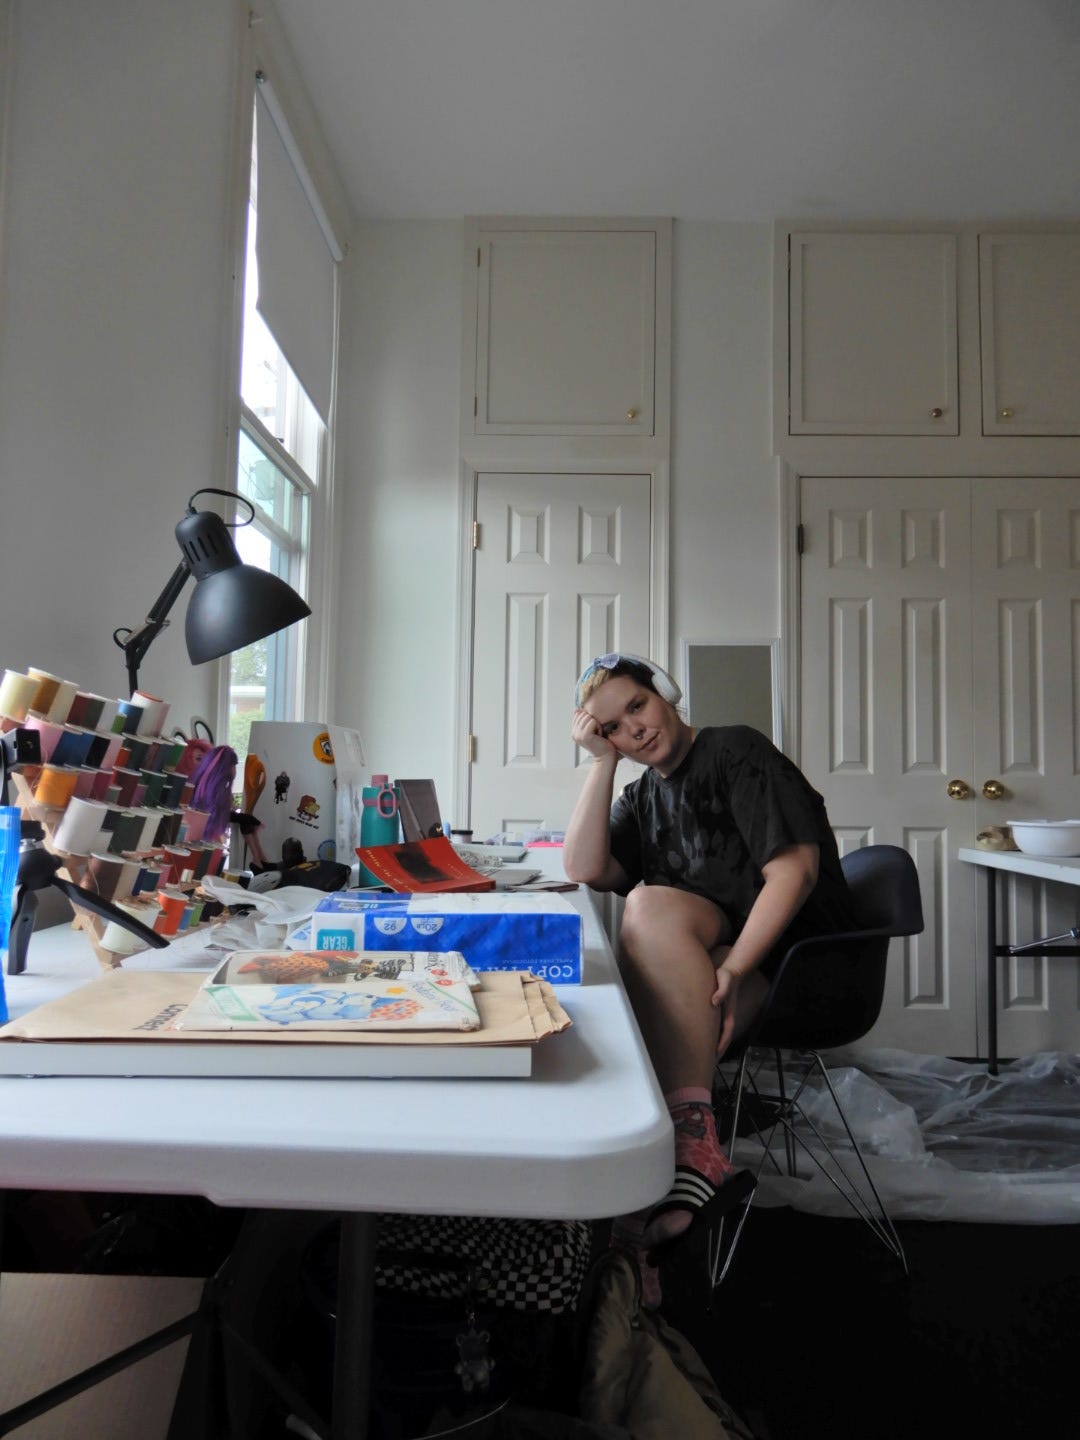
[335, 990]
[422, 866]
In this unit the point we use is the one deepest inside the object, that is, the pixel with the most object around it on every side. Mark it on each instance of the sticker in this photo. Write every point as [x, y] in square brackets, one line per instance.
[322, 749]
[390, 926]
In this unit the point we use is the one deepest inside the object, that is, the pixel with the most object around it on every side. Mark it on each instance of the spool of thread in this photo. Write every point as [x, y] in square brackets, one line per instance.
[128, 716]
[49, 732]
[126, 831]
[171, 750]
[111, 755]
[72, 747]
[138, 749]
[81, 827]
[54, 695]
[179, 859]
[169, 825]
[173, 788]
[155, 712]
[125, 782]
[85, 710]
[55, 785]
[103, 872]
[151, 878]
[108, 713]
[97, 750]
[194, 826]
[100, 788]
[148, 833]
[154, 782]
[84, 783]
[120, 941]
[17, 691]
[172, 904]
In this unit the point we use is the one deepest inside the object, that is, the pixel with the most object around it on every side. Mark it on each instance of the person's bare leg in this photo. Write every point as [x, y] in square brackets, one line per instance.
[664, 954]
[670, 944]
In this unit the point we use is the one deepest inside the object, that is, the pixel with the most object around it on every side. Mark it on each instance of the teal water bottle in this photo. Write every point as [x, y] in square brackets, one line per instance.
[379, 824]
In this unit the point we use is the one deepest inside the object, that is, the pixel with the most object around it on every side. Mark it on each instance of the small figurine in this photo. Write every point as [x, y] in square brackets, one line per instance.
[476, 1364]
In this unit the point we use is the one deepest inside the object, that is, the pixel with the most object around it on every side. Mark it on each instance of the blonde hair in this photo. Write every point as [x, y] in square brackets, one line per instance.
[601, 675]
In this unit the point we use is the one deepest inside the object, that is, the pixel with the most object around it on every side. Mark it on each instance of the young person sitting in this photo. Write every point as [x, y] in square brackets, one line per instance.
[726, 858]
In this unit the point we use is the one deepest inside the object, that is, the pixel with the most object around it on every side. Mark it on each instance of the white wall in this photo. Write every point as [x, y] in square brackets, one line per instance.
[724, 490]
[113, 277]
[399, 477]
[398, 487]
[114, 256]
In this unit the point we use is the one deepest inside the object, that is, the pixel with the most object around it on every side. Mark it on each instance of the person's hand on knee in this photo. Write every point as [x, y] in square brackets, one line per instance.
[725, 998]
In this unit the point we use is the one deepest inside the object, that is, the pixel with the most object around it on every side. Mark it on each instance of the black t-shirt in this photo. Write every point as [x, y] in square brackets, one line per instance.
[711, 825]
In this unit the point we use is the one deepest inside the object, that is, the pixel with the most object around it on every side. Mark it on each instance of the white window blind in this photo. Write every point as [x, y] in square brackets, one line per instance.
[296, 262]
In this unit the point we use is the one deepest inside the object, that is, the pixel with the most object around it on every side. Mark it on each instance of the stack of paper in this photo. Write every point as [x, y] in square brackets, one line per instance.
[130, 1023]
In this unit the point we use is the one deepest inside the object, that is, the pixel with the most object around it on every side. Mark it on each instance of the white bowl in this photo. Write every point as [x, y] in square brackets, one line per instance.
[1047, 837]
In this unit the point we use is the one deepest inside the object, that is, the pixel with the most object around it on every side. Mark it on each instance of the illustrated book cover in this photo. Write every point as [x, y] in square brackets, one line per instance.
[422, 867]
[339, 990]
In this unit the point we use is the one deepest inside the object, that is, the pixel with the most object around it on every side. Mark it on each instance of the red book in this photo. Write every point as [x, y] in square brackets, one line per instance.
[422, 867]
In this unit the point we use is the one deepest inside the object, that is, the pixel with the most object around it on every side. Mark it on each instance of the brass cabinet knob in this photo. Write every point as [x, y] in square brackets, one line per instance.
[959, 790]
[1006, 414]
[936, 413]
[631, 414]
[993, 790]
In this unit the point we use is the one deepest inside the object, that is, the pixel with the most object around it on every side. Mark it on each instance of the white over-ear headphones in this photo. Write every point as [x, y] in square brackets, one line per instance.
[664, 685]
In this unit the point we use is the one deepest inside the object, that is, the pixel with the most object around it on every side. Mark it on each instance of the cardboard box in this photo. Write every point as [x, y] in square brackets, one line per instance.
[494, 931]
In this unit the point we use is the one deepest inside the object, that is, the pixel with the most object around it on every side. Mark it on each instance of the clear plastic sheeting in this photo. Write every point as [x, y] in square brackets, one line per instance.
[942, 1139]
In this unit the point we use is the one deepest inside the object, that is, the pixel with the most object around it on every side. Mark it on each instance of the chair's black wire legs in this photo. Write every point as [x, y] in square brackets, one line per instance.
[786, 1110]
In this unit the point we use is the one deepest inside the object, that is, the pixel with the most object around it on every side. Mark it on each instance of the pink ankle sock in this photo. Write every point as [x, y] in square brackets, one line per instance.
[697, 1153]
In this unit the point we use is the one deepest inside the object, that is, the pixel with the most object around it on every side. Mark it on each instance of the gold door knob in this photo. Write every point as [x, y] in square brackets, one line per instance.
[631, 414]
[993, 790]
[1006, 414]
[959, 790]
[936, 413]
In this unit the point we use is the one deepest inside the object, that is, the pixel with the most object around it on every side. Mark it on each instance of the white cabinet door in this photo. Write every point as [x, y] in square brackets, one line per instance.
[561, 575]
[566, 323]
[1026, 660]
[873, 334]
[1029, 300]
[940, 641]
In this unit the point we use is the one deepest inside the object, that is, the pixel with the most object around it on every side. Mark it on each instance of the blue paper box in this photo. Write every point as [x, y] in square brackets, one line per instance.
[493, 930]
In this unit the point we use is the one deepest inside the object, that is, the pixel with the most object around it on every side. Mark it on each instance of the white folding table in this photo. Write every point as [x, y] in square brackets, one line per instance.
[586, 1136]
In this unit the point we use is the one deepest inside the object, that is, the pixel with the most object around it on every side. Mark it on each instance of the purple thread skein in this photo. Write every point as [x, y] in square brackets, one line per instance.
[212, 791]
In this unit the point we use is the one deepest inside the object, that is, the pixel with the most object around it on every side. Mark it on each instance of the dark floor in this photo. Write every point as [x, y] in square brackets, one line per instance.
[816, 1332]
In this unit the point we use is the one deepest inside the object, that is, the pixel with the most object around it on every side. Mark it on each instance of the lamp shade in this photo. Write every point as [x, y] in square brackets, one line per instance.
[233, 604]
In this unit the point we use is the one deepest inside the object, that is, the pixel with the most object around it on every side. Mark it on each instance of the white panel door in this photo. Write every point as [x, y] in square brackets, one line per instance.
[886, 719]
[562, 573]
[1026, 654]
[941, 641]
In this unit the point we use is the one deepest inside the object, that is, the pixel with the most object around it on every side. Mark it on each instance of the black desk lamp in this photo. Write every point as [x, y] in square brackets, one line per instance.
[233, 604]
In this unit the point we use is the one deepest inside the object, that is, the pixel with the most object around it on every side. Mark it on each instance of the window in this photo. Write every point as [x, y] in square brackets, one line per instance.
[289, 310]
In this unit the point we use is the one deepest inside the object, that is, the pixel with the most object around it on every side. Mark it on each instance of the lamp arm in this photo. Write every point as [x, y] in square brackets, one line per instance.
[135, 643]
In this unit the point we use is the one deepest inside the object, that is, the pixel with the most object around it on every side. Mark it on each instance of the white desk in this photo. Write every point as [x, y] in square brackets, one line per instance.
[586, 1136]
[1060, 869]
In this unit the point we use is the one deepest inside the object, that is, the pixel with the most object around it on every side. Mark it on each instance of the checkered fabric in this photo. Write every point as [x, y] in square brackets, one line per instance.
[514, 1264]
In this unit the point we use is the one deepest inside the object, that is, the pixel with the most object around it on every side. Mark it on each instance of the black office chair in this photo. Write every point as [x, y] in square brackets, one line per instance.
[827, 992]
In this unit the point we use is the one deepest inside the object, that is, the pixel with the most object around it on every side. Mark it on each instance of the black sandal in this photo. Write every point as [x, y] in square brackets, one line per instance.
[706, 1202]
